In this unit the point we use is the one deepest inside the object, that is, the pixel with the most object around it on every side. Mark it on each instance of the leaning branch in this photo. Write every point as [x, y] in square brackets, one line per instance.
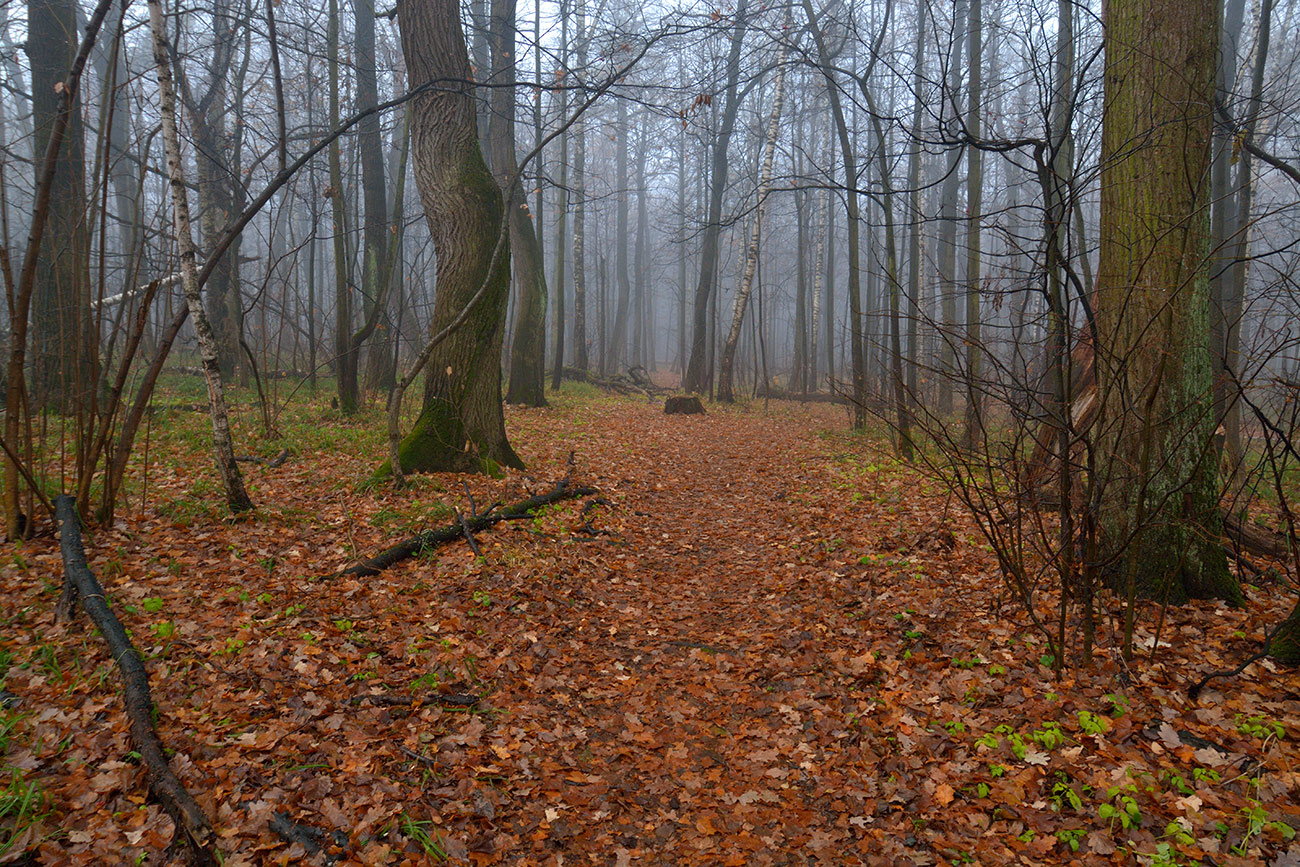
[463, 528]
[80, 582]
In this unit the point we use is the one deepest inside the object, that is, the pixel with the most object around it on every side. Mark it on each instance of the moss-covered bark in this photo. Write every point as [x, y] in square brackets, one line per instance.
[1286, 643]
[461, 427]
[1154, 372]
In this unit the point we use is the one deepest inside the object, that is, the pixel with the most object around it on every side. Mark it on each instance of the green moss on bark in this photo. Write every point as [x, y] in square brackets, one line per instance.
[1286, 643]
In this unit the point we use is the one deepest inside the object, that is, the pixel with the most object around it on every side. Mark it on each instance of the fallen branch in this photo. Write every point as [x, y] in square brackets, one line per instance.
[273, 463]
[775, 393]
[634, 383]
[1253, 539]
[1194, 692]
[462, 528]
[80, 582]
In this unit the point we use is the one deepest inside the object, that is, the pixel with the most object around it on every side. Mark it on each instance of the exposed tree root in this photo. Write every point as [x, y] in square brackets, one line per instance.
[80, 584]
[464, 528]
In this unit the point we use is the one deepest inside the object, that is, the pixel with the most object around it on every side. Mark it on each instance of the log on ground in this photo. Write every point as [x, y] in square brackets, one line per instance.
[462, 529]
[80, 584]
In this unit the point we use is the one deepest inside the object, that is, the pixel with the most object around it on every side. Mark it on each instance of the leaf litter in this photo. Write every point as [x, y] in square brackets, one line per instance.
[768, 644]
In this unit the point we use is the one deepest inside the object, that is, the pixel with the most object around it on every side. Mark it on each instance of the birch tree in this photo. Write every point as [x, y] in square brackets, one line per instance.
[231, 479]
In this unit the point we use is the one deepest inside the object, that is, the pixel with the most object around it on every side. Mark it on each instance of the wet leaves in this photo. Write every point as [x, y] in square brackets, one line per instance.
[781, 646]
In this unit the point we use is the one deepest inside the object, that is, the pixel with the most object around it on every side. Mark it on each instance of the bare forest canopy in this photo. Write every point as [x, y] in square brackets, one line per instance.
[1039, 256]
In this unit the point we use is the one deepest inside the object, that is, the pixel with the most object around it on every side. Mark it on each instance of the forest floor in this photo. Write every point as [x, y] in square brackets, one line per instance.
[769, 644]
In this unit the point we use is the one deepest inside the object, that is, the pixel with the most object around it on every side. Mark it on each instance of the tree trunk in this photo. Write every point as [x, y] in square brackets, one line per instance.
[948, 229]
[375, 239]
[643, 347]
[1223, 214]
[914, 213]
[528, 350]
[580, 359]
[461, 426]
[727, 369]
[856, 348]
[232, 480]
[974, 433]
[1154, 372]
[1235, 291]
[60, 302]
[562, 191]
[216, 182]
[338, 213]
[698, 369]
[616, 356]
[1285, 647]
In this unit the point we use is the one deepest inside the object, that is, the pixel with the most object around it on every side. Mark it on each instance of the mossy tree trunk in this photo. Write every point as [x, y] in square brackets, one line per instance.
[1286, 643]
[1154, 373]
[461, 427]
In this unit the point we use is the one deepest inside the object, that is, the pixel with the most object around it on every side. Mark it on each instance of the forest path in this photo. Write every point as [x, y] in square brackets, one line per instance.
[710, 658]
[772, 644]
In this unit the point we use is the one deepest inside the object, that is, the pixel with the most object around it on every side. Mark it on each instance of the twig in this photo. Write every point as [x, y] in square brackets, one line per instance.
[469, 535]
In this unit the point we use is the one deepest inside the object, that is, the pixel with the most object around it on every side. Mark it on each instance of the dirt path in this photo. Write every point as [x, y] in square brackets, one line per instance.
[705, 669]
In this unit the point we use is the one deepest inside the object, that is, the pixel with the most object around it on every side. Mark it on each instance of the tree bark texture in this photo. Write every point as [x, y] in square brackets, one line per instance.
[231, 479]
[1154, 370]
[61, 297]
[461, 426]
[375, 284]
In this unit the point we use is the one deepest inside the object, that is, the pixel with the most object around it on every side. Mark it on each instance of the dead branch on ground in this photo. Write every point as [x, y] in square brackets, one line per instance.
[80, 584]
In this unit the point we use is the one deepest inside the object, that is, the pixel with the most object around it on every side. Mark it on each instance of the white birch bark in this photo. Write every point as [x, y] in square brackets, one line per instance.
[232, 480]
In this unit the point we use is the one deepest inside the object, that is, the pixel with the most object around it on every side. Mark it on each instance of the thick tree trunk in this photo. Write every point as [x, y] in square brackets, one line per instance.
[461, 426]
[1154, 372]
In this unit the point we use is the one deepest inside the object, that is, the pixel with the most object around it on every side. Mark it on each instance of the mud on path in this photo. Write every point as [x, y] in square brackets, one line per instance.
[769, 645]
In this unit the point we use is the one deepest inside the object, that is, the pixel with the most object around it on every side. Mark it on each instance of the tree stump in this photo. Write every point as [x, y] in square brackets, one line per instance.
[683, 404]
